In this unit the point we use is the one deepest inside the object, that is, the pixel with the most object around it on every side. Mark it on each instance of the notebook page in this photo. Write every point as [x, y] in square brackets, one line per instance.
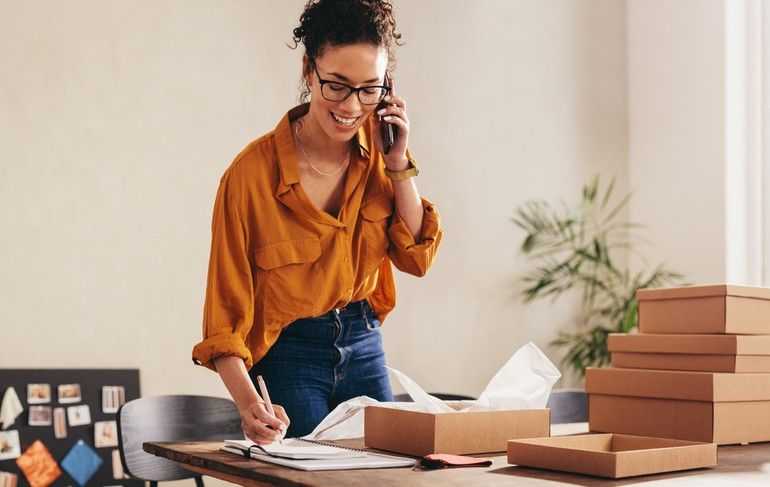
[371, 460]
[297, 449]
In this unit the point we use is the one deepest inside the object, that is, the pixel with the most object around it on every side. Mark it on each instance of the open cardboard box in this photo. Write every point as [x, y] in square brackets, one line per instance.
[696, 406]
[719, 308]
[713, 353]
[611, 455]
[461, 433]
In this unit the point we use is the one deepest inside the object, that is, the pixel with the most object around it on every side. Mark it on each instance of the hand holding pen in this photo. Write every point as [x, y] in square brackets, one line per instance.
[262, 421]
[268, 403]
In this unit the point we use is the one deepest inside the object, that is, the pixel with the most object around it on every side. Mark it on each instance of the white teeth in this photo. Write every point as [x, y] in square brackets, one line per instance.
[344, 121]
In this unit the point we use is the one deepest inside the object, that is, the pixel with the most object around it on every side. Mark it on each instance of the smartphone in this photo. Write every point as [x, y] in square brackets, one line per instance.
[389, 132]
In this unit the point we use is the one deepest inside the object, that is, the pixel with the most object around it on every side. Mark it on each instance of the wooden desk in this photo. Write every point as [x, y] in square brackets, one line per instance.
[738, 465]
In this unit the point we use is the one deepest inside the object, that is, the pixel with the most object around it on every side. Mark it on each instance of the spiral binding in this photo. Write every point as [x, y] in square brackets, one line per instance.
[247, 452]
[334, 445]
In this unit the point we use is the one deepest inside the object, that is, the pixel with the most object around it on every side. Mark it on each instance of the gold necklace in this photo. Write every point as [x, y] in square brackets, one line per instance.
[343, 163]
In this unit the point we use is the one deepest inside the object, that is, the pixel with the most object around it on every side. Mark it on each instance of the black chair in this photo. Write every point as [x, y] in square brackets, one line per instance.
[441, 395]
[568, 406]
[172, 418]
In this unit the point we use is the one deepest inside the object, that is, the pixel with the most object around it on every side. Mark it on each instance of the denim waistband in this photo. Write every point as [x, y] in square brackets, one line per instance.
[358, 314]
[352, 310]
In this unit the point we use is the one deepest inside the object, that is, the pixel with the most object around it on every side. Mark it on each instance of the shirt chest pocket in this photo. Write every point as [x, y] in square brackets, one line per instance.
[377, 209]
[375, 219]
[288, 252]
[285, 270]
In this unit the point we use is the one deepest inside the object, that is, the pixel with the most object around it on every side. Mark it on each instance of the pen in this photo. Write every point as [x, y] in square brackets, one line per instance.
[266, 398]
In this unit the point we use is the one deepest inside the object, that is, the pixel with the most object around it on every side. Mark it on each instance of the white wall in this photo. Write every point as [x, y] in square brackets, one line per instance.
[509, 101]
[696, 135]
[677, 133]
[118, 118]
[116, 121]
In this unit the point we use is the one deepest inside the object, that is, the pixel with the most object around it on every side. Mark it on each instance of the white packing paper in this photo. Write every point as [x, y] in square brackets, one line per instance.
[10, 409]
[424, 401]
[524, 382]
[345, 421]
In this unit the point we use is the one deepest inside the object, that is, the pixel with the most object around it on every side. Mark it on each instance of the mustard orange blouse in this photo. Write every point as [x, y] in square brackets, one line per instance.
[275, 257]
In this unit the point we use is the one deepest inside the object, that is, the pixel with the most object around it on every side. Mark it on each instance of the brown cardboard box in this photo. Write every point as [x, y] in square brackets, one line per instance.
[706, 363]
[674, 384]
[461, 433]
[719, 308]
[611, 455]
[696, 406]
[713, 353]
[723, 423]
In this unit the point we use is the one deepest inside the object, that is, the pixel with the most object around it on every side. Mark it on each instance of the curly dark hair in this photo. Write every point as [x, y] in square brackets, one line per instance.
[340, 22]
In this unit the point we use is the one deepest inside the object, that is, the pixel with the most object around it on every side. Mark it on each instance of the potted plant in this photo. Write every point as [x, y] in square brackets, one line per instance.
[578, 248]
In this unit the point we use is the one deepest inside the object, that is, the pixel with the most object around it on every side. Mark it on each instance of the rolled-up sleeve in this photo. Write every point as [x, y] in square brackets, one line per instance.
[228, 311]
[405, 252]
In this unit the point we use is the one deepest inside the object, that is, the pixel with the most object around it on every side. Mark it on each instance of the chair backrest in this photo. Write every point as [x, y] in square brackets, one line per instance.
[172, 418]
[568, 406]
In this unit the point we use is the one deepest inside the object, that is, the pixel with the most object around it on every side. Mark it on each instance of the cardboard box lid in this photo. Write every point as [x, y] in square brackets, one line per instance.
[611, 455]
[674, 384]
[702, 291]
[690, 344]
[605, 442]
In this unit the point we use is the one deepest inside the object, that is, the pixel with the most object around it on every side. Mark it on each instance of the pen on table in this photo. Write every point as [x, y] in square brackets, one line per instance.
[266, 398]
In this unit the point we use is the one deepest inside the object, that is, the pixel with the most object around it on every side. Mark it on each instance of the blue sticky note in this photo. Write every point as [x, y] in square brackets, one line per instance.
[81, 462]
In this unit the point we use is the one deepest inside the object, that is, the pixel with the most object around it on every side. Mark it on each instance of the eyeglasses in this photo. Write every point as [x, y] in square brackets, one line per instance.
[335, 91]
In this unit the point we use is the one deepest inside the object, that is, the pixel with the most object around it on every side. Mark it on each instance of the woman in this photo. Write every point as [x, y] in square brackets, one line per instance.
[307, 222]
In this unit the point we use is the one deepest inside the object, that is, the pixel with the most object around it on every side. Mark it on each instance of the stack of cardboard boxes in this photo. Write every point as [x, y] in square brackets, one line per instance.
[698, 370]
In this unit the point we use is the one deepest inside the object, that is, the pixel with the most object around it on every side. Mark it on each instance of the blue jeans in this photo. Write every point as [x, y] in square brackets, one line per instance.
[317, 363]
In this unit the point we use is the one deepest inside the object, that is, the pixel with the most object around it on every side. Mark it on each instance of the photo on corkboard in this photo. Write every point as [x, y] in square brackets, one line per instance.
[69, 393]
[112, 398]
[8, 479]
[40, 416]
[9, 445]
[59, 423]
[38, 393]
[105, 434]
[79, 415]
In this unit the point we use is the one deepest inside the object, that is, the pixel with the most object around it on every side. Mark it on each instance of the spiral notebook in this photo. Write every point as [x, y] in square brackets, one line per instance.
[312, 455]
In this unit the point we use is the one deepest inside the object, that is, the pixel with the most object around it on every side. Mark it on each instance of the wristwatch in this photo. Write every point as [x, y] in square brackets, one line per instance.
[410, 172]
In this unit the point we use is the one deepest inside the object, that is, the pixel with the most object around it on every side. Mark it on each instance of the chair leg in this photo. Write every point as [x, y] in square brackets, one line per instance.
[198, 481]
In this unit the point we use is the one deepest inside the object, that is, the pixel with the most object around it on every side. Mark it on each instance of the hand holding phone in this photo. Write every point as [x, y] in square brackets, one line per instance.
[388, 131]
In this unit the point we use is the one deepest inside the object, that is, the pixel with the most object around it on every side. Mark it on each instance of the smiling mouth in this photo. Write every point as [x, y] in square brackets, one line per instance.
[344, 121]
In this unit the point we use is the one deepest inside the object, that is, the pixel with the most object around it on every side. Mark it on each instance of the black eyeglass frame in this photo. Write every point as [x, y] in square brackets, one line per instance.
[351, 90]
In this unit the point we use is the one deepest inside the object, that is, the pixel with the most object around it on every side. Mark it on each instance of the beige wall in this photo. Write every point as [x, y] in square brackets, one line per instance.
[677, 126]
[509, 101]
[117, 119]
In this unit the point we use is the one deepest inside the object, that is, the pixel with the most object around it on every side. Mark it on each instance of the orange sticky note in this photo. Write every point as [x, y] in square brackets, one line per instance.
[38, 465]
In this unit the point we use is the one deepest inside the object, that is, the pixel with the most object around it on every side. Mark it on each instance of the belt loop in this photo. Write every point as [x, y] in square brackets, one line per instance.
[369, 325]
[337, 321]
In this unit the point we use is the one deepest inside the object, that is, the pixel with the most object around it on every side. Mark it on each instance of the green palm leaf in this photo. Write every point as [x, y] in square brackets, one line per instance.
[578, 249]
